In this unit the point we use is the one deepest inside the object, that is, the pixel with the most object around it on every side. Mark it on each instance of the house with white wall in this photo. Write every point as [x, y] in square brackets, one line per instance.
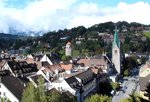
[81, 84]
[50, 58]
[11, 88]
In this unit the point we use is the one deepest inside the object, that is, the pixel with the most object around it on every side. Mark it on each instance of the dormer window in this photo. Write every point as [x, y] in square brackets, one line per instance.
[15, 66]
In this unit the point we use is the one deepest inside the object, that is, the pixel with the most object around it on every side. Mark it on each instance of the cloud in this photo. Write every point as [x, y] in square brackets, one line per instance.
[48, 15]
[38, 15]
[137, 12]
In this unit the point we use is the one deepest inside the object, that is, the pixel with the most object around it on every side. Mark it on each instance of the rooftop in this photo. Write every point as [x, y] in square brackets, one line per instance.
[145, 70]
[68, 43]
[22, 67]
[14, 84]
[66, 66]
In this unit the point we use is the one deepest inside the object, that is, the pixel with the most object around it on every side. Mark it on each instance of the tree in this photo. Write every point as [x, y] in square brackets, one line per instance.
[98, 98]
[128, 64]
[66, 58]
[33, 94]
[105, 88]
[126, 72]
[40, 91]
[54, 96]
[134, 97]
[115, 85]
[39, 94]
[29, 93]
[67, 97]
[4, 99]
[148, 90]
[125, 100]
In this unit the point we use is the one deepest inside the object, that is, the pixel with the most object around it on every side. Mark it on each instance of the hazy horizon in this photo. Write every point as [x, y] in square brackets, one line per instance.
[49, 15]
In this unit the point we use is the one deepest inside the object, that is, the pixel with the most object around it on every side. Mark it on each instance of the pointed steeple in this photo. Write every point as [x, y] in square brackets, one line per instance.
[116, 38]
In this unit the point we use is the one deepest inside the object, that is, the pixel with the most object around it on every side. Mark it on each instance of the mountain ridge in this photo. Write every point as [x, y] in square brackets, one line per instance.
[42, 32]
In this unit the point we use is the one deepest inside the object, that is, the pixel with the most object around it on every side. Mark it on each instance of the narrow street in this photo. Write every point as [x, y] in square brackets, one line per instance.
[130, 85]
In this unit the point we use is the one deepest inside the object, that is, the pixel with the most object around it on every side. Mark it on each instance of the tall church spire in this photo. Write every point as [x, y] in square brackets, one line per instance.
[116, 52]
[116, 38]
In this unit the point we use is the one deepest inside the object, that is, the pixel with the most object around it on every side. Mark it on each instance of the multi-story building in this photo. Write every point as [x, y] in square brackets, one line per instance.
[11, 88]
[81, 84]
[144, 78]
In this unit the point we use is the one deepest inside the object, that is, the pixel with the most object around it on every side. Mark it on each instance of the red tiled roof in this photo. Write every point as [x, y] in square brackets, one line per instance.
[92, 62]
[66, 66]
[68, 43]
[54, 67]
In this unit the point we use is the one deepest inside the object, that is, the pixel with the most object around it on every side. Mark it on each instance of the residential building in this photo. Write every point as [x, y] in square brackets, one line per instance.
[35, 81]
[88, 83]
[50, 58]
[144, 78]
[67, 67]
[20, 68]
[34, 59]
[11, 88]
[52, 72]
[99, 75]
[2, 62]
[94, 62]
[80, 84]
[108, 38]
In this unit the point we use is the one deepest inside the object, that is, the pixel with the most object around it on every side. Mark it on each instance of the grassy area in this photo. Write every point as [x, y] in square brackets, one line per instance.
[76, 53]
[147, 34]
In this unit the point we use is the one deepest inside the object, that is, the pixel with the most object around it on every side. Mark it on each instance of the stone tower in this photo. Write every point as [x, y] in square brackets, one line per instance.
[68, 49]
[116, 52]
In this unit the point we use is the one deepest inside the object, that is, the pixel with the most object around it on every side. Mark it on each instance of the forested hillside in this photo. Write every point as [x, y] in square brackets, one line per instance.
[85, 41]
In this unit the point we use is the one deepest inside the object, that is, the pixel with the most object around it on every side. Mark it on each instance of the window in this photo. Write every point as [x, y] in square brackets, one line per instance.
[115, 51]
[4, 94]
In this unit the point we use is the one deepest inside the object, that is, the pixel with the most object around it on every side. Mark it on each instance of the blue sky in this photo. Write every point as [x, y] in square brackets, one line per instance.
[47, 15]
[24, 3]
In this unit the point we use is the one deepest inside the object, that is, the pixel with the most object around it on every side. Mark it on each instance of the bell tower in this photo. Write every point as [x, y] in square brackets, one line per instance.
[116, 52]
[68, 49]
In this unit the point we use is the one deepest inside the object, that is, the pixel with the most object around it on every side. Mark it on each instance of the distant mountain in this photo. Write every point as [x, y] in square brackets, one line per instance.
[101, 27]
[27, 33]
[8, 36]
[57, 39]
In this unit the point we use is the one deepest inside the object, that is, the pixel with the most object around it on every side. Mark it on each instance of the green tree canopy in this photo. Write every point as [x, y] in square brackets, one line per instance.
[115, 85]
[98, 98]
[134, 97]
[39, 94]
[29, 94]
[33, 94]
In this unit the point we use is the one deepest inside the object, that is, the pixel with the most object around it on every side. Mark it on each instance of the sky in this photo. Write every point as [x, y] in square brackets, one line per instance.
[49, 15]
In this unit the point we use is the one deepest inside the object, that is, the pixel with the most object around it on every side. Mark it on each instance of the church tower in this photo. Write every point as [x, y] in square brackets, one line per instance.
[68, 49]
[116, 51]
